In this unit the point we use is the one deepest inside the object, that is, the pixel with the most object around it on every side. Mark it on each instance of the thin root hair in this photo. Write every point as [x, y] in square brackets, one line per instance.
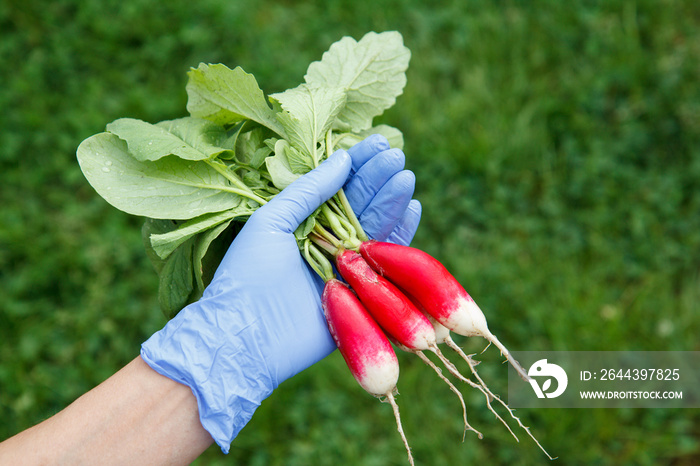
[397, 416]
[488, 392]
[437, 370]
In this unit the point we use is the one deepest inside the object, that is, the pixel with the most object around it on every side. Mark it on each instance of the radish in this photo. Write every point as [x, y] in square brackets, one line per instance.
[392, 310]
[366, 350]
[405, 320]
[434, 287]
[396, 313]
[244, 156]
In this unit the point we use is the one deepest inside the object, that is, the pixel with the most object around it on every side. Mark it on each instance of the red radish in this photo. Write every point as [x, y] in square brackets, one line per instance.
[396, 314]
[365, 348]
[434, 287]
[363, 345]
[404, 321]
[392, 310]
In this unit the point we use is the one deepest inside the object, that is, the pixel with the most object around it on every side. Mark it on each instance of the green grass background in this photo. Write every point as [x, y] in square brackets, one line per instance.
[556, 147]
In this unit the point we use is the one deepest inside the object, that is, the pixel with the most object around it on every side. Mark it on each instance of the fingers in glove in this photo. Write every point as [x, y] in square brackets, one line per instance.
[406, 228]
[371, 177]
[387, 208]
[366, 149]
[297, 201]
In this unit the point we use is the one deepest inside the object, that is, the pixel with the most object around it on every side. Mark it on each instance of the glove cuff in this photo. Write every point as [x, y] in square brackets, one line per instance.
[220, 359]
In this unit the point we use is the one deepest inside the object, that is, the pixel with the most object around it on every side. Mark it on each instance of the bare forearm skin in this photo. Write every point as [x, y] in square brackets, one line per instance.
[137, 416]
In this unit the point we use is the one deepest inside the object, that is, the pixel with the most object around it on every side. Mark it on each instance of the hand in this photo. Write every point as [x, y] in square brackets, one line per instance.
[260, 320]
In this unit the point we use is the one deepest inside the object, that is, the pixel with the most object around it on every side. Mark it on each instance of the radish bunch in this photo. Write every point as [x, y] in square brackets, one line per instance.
[197, 178]
[400, 294]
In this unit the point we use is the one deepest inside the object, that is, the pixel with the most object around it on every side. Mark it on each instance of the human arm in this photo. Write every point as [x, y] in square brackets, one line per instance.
[136, 416]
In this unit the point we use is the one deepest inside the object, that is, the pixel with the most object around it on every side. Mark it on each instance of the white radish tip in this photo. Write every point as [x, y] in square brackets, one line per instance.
[472, 322]
[466, 319]
[380, 374]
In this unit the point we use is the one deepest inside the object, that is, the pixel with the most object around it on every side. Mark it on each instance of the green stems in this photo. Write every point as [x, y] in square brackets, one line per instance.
[321, 265]
[323, 244]
[351, 216]
[240, 187]
[340, 226]
[336, 227]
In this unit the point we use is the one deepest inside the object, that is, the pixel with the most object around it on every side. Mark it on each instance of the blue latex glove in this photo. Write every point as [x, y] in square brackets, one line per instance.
[260, 320]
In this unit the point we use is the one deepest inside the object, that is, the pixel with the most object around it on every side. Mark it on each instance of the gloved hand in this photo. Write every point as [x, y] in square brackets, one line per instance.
[260, 320]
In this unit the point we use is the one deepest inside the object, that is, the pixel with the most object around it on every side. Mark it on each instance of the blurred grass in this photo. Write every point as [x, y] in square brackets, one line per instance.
[556, 148]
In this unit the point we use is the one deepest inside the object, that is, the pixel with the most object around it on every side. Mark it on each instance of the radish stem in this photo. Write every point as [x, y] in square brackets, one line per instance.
[334, 222]
[323, 244]
[321, 260]
[317, 261]
[340, 137]
[240, 187]
[325, 234]
[309, 259]
[351, 216]
[342, 217]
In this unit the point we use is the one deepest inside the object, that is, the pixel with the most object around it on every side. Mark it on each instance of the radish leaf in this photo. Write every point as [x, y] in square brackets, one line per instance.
[251, 149]
[152, 226]
[393, 135]
[209, 248]
[176, 281]
[308, 113]
[279, 166]
[226, 96]
[188, 138]
[165, 243]
[306, 226]
[168, 188]
[371, 70]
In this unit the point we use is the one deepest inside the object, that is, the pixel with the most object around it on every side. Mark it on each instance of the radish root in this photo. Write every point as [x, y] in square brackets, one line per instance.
[472, 367]
[504, 351]
[471, 362]
[453, 370]
[397, 416]
[437, 370]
